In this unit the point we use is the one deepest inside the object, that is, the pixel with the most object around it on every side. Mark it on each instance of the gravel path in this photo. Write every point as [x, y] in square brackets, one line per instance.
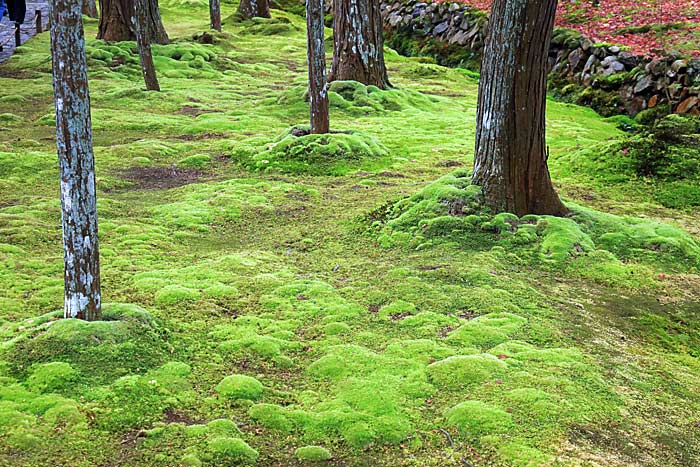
[28, 29]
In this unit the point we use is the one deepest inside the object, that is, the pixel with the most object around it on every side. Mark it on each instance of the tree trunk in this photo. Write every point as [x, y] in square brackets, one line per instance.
[318, 94]
[76, 162]
[358, 45]
[510, 161]
[215, 14]
[254, 8]
[90, 8]
[139, 21]
[115, 22]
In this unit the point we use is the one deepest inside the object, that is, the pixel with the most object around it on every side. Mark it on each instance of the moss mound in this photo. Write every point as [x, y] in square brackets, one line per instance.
[231, 451]
[279, 25]
[128, 340]
[313, 454]
[464, 370]
[176, 60]
[477, 418]
[358, 99]
[240, 387]
[450, 211]
[10, 119]
[664, 158]
[296, 151]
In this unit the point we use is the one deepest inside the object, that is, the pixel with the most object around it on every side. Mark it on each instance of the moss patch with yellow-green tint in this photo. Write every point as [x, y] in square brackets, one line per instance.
[278, 298]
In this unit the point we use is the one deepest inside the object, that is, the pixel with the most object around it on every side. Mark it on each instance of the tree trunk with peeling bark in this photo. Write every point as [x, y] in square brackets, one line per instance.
[76, 162]
[510, 161]
[90, 8]
[115, 22]
[215, 14]
[254, 9]
[148, 69]
[358, 45]
[318, 94]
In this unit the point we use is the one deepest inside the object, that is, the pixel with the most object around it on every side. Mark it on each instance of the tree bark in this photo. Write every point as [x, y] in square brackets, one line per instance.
[215, 14]
[318, 93]
[76, 162]
[115, 22]
[90, 8]
[254, 8]
[139, 21]
[358, 45]
[510, 161]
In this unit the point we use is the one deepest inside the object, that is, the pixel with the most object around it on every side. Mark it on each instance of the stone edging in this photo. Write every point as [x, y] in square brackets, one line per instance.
[606, 77]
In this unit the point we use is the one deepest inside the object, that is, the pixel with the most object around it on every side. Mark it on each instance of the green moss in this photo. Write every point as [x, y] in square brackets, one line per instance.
[52, 377]
[10, 119]
[199, 206]
[223, 427]
[488, 330]
[335, 153]
[136, 401]
[312, 454]
[196, 161]
[449, 210]
[358, 99]
[334, 329]
[240, 387]
[520, 455]
[66, 414]
[397, 309]
[270, 416]
[191, 460]
[476, 418]
[452, 55]
[175, 294]
[128, 339]
[231, 451]
[281, 279]
[465, 370]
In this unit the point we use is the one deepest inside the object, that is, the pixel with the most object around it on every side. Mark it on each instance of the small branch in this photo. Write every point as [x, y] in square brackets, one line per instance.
[449, 437]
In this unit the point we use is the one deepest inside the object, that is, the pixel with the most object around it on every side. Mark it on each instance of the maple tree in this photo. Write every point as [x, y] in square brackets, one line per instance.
[648, 27]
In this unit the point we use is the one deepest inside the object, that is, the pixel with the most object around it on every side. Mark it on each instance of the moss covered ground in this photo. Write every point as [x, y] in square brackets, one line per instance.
[277, 299]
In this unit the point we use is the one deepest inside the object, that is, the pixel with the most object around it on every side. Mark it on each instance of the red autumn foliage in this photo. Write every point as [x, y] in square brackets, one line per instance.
[648, 27]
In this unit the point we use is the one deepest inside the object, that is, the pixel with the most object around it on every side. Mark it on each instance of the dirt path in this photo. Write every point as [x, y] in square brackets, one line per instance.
[27, 30]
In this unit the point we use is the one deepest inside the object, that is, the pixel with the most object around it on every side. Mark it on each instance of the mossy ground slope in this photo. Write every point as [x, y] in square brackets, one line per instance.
[283, 300]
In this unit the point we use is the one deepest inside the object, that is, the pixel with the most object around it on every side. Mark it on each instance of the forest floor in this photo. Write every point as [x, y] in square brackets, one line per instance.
[265, 295]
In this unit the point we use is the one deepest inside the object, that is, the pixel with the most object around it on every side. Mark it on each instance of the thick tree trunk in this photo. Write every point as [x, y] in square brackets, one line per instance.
[215, 14]
[358, 45]
[254, 8]
[76, 161]
[90, 8]
[510, 161]
[115, 22]
[318, 94]
[139, 21]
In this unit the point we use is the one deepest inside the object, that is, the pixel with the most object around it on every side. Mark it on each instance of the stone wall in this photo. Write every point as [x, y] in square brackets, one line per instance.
[604, 76]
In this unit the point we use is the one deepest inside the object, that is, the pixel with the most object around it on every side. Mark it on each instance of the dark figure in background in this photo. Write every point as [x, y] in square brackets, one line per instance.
[17, 10]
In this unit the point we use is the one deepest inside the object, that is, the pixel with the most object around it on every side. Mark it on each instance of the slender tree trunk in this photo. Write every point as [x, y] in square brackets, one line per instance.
[318, 94]
[139, 22]
[510, 162]
[76, 161]
[90, 8]
[215, 14]
[115, 22]
[254, 8]
[358, 45]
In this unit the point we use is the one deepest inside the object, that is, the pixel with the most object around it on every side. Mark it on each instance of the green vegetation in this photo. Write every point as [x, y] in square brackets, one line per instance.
[661, 158]
[349, 301]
